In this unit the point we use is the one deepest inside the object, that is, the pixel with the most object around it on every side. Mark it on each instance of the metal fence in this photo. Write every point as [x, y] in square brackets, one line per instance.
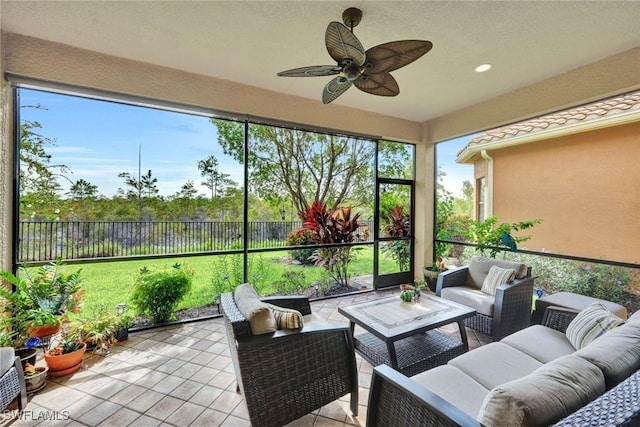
[45, 241]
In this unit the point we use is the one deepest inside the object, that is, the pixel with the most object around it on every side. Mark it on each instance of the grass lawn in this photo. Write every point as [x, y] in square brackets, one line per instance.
[110, 283]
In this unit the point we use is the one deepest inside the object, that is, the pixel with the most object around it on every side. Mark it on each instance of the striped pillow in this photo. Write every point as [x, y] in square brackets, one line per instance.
[590, 323]
[286, 318]
[496, 277]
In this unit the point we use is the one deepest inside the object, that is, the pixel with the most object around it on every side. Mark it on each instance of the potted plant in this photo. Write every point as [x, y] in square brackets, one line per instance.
[122, 330]
[39, 297]
[65, 357]
[42, 322]
[431, 273]
[99, 328]
[35, 377]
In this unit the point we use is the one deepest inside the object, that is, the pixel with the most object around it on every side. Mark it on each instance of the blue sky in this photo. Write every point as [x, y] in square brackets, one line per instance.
[456, 174]
[98, 140]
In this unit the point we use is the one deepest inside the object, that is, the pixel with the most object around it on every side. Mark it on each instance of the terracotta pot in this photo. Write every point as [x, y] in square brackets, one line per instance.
[65, 363]
[43, 331]
[36, 381]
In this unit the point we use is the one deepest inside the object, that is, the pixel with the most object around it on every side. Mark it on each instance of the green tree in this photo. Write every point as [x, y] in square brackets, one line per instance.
[82, 189]
[38, 177]
[464, 205]
[187, 192]
[215, 180]
[148, 185]
[135, 187]
[304, 166]
[37, 174]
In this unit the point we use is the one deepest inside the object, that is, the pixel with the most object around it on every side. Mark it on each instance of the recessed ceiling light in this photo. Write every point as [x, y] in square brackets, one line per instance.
[482, 68]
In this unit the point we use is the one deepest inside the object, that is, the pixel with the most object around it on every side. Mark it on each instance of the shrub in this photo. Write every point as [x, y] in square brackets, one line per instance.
[301, 238]
[397, 223]
[158, 292]
[290, 283]
[328, 226]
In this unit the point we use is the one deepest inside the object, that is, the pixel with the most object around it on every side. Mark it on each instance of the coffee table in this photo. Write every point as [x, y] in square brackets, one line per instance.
[403, 335]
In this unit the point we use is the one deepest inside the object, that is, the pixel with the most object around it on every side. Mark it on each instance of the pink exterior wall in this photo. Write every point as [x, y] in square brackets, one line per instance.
[585, 187]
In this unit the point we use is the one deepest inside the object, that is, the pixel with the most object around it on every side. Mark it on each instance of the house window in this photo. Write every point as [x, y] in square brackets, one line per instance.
[480, 198]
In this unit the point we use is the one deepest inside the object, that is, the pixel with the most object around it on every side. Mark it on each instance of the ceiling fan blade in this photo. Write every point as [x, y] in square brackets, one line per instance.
[342, 43]
[334, 89]
[311, 71]
[393, 55]
[378, 84]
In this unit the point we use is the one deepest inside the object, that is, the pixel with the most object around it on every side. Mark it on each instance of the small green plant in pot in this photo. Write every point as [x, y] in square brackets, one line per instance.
[39, 297]
[96, 327]
[42, 322]
[157, 292]
[66, 355]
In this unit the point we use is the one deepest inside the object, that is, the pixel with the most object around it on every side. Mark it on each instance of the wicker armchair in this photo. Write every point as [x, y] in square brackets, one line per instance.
[500, 315]
[286, 374]
[12, 384]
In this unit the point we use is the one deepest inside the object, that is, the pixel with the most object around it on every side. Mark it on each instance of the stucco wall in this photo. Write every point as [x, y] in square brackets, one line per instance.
[583, 186]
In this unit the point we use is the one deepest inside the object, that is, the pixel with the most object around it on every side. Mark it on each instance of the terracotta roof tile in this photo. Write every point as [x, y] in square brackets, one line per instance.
[582, 113]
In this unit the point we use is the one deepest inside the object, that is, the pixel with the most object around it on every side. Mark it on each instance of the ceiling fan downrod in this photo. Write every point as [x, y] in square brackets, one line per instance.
[351, 17]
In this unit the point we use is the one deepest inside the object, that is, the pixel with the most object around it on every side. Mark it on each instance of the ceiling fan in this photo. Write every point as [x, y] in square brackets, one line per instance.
[368, 71]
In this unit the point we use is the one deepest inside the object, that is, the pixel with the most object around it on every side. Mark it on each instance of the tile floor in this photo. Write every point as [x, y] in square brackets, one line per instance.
[177, 376]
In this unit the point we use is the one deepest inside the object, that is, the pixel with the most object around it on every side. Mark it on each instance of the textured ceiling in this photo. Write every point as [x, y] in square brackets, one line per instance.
[249, 42]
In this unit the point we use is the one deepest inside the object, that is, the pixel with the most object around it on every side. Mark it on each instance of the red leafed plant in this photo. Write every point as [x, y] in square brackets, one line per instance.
[329, 226]
[398, 224]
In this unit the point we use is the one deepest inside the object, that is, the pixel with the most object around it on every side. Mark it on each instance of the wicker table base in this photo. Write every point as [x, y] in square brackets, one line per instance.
[414, 354]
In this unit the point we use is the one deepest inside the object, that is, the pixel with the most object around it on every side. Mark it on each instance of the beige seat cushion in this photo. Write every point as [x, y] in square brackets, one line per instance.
[494, 364]
[7, 359]
[616, 353]
[542, 343]
[471, 297]
[261, 319]
[454, 386]
[545, 396]
[479, 268]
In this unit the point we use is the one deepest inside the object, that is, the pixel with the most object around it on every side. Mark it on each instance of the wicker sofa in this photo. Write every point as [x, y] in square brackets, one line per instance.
[498, 315]
[534, 377]
[287, 373]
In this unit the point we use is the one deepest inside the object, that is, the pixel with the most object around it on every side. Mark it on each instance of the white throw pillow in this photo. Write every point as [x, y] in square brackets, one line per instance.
[496, 277]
